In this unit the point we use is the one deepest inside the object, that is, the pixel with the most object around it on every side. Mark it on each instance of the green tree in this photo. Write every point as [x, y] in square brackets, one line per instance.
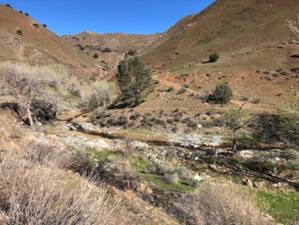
[134, 81]
[222, 94]
[213, 58]
[235, 119]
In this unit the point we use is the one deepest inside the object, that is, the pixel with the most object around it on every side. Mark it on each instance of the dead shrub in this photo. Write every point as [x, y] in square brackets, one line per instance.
[48, 196]
[101, 94]
[223, 204]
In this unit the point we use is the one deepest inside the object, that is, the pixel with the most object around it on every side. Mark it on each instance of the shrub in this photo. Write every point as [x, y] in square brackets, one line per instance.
[213, 58]
[80, 47]
[106, 50]
[134, 81]
[45, 25]
[171, 178]
[101, 94]
[132, 52]
[26, 14]
[235, 119]
[21, 12]
[38, 195]
[222, 94]
[96, 55]
[220, 204]
[288, 119]
[19, 32]
[36, 25]
[43, 110]
[8, 5]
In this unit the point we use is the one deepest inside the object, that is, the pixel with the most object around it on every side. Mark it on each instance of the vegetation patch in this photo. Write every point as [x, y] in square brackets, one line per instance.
[284, 207]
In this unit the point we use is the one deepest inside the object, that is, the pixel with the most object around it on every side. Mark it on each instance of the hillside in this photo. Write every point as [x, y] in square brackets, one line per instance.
[119, 42]
[23, 39]
[109, 49]
[248, 33]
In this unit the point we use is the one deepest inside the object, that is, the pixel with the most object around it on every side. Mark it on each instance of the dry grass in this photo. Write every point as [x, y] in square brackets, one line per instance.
[100, 94]
[294, 26]
[38, 195]
[224, 204]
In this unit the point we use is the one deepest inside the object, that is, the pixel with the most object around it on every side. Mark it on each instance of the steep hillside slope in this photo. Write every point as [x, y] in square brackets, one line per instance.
[255, 28]
[25, 40]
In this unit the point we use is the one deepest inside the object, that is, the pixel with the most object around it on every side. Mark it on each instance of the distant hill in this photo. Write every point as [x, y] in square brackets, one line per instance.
[23, 39]
[244, 33]
[119, 42]
[109, 49]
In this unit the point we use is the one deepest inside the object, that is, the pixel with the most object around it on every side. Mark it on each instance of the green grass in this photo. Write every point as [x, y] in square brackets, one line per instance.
[159, 183]
[284, 207]
[141, 167]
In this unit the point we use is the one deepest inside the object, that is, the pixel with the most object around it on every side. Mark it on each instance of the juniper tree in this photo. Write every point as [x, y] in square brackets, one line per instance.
[134, 81]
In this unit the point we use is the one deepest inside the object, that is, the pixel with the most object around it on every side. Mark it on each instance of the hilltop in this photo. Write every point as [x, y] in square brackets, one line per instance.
[22, 39]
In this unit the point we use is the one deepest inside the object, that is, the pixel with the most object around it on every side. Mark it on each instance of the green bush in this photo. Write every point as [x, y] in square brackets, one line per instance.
[106, 50]
[222, 94]
[213, 58]
[96, 55]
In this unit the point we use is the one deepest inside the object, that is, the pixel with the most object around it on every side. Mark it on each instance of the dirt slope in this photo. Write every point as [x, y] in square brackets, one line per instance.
[25, 40]
[243, 33]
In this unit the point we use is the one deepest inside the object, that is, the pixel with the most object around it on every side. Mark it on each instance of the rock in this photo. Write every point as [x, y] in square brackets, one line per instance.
[295, 70]
[245, 155]
[213, 167]
[139, 146]
[197, 178]
[145, 189]
[247, 182]
[192, 124]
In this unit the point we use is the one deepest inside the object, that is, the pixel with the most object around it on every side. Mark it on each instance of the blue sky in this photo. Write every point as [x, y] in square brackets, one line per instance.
[109, 16]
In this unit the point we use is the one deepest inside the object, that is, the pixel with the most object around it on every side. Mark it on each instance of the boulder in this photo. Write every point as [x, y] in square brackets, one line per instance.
[139, 146]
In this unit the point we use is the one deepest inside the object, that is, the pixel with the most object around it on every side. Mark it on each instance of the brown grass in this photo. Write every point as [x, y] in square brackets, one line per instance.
[224, 204]
[38, 195]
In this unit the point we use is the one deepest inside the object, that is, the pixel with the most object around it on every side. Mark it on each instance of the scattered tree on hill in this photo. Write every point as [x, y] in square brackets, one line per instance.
[134, 81]
[45, 25]
[235, 119]
[213, 58]
[26, 14]
[19, 32]
[222, 94]
[106, 50]
[21, 12]
[96, 55]
[8, 5]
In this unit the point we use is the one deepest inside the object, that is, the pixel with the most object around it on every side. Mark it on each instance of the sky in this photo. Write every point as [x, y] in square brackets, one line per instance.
[109, 16]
